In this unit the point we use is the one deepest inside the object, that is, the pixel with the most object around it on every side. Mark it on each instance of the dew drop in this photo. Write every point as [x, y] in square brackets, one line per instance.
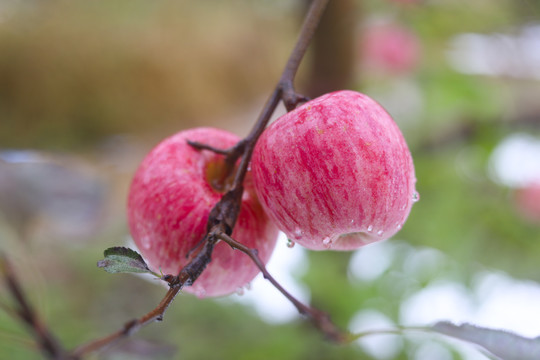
[380, 232]
[248, 286]
[290, 243]
[326, 242]
[200, 292]
[399, 226]
[416, 196]
[240, 291]
[370, 228]
[146, 244]
[298, 234]
[352, 221]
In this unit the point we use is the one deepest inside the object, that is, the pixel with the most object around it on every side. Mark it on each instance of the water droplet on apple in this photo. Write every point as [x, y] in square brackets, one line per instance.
[399, 226]
[370, 228]
[298, 234]
[200, 292]
[416, 196]
[290, 243]
[352, 221]
[240, 291]
[248, 286]
[326, 242]
[380, 232]
[146, 244]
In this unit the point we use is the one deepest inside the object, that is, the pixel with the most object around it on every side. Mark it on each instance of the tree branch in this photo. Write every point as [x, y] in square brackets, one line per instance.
[320, 319]
[223, 216]
[47, 342]
[185, 278]
[130, 327]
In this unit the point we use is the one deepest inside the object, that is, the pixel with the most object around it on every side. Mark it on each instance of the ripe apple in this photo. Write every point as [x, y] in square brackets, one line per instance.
[335, 173]
[389, 48]
[170, 198]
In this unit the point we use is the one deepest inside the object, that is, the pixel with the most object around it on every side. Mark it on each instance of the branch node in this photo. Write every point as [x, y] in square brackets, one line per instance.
[291, 99]
[129, 327]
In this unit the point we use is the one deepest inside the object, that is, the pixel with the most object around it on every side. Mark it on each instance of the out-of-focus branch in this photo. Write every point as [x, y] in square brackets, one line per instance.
[130, 327]
[47, 342]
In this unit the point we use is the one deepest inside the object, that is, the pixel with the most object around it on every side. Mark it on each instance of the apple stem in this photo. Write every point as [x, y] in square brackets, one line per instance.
[284, 91]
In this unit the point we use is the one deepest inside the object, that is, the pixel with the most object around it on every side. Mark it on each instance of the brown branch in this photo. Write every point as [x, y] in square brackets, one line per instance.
[284, 91]
[130, 327]
[290, 98]
[45, 339]
[223, 216]
[320, 319]
[185, 278]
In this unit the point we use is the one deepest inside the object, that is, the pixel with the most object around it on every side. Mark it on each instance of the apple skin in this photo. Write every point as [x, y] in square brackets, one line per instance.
[335, 173]
[168, 205]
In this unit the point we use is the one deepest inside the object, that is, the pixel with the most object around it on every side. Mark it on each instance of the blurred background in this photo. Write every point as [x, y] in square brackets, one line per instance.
[88, 87]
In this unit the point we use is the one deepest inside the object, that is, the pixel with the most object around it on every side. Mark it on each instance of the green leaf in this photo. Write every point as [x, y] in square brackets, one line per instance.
[123, 260]
[503, 344]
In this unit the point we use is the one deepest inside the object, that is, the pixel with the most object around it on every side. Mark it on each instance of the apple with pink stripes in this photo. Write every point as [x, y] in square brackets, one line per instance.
[169, 201]
[335, 173]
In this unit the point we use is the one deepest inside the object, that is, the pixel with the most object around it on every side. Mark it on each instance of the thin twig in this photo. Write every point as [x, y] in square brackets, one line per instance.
[185, 278]
[321, 319]
[47, 342]
[290, 98]
[129, 328]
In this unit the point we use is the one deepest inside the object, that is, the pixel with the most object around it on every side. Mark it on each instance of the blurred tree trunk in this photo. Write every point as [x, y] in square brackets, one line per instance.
[333, 49]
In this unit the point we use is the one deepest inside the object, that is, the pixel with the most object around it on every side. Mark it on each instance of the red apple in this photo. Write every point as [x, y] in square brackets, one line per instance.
[527, 202]
[169, 201]
[390, 48]
[335, 173]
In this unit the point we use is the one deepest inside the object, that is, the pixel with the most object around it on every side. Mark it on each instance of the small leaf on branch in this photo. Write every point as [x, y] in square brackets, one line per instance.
[503, 344]
[120, 259]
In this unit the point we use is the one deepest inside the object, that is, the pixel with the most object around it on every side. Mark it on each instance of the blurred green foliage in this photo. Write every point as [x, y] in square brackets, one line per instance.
[74, 73]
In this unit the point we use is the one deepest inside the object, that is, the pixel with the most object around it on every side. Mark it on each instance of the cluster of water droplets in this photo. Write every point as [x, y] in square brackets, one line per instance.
[298, 234]
[327, 241]
[242, 289]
